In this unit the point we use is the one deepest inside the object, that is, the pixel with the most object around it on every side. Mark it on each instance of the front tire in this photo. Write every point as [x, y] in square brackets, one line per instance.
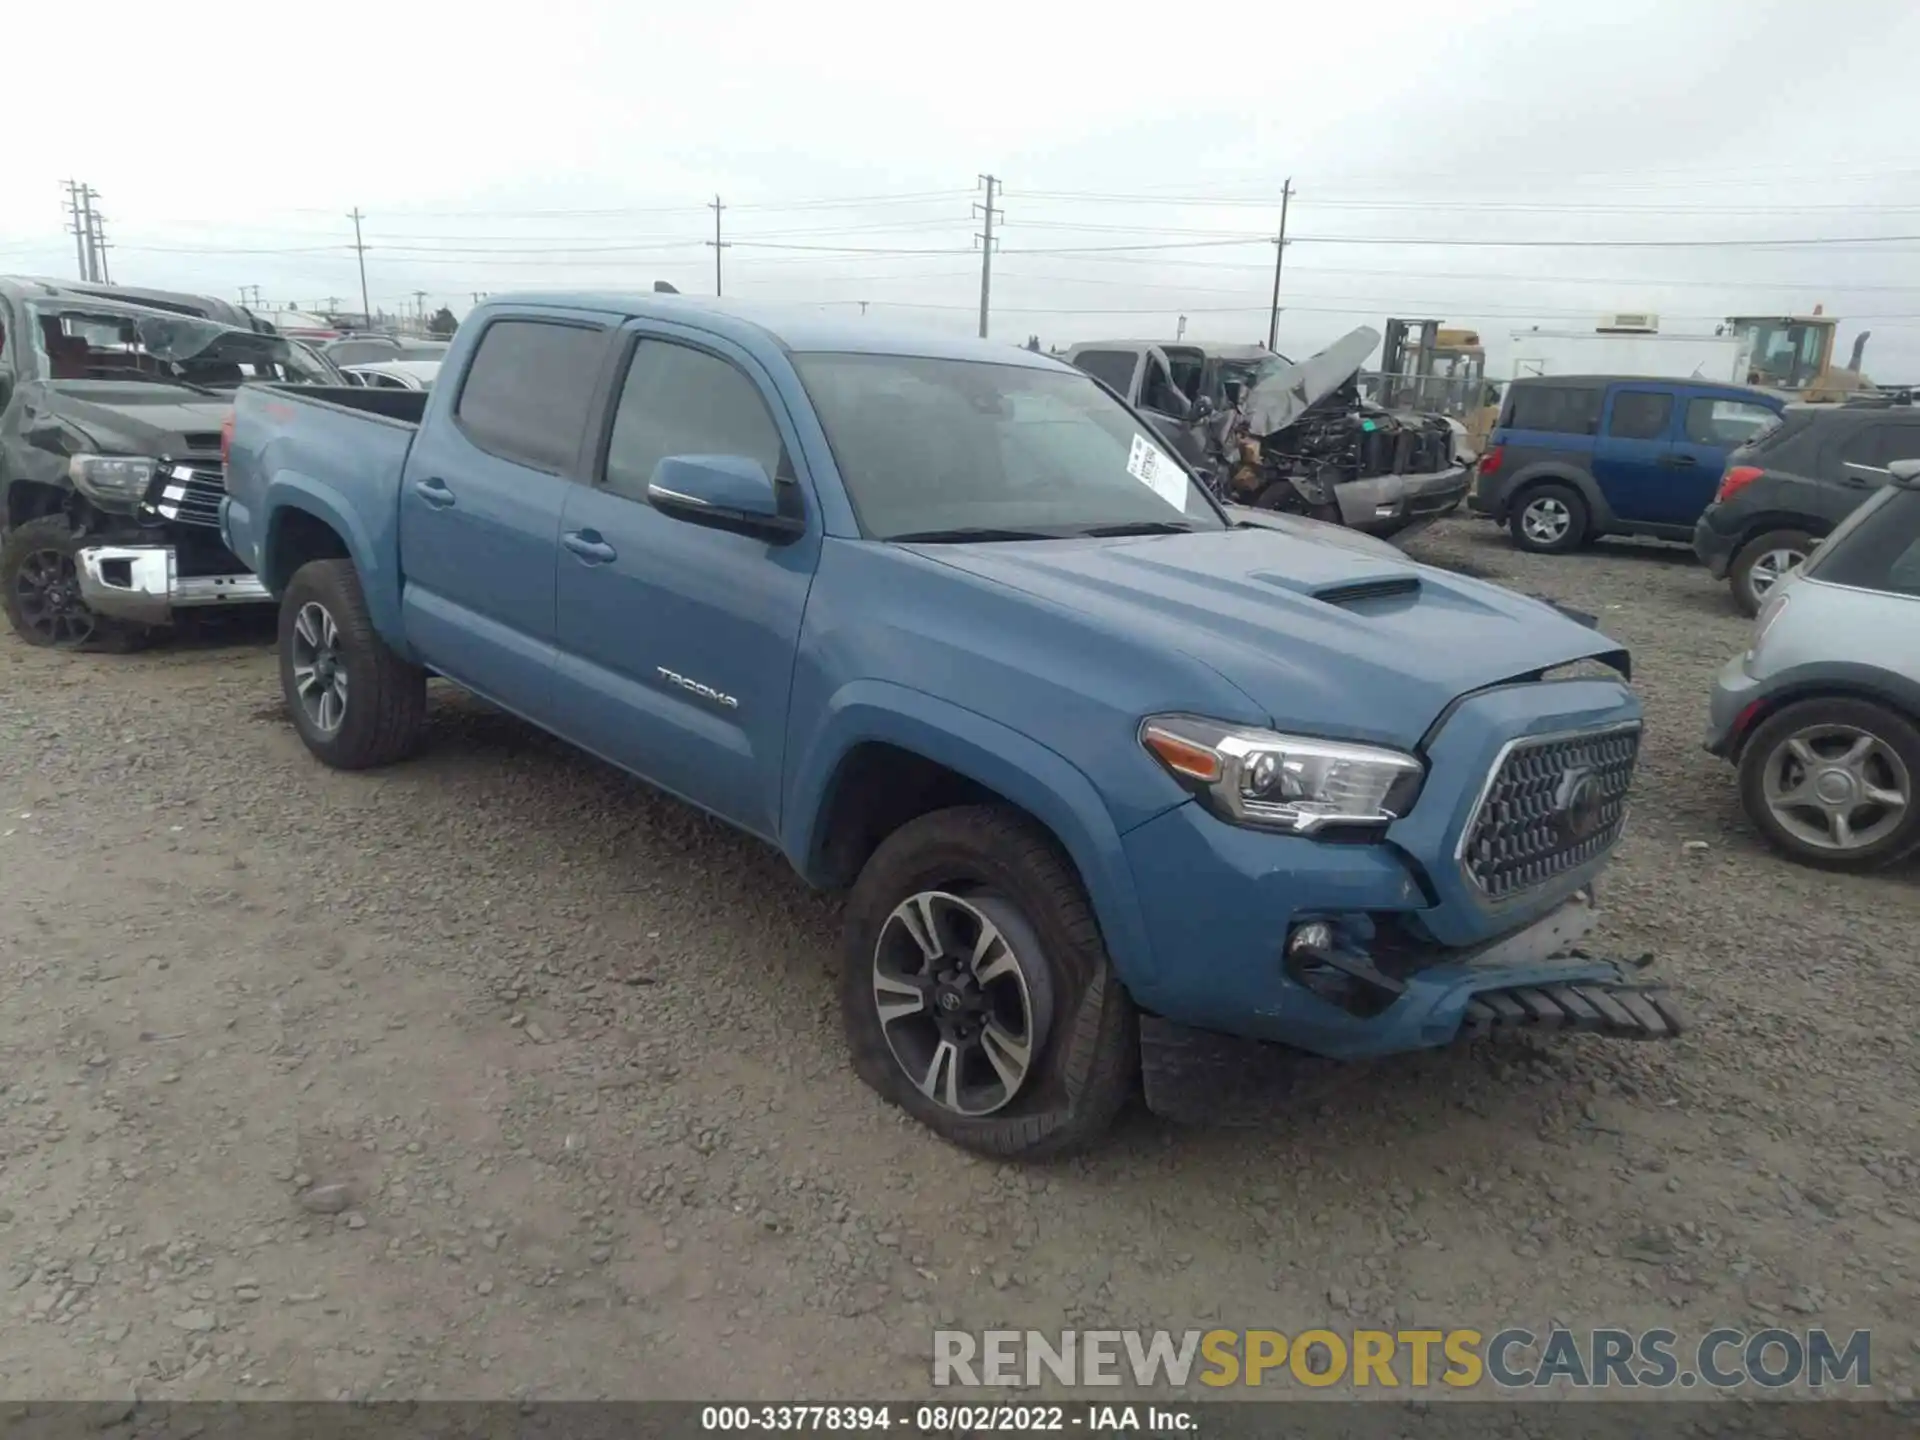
[1832, 782]
[356, 704]
[1549, 519]
[1763, 562]
[976, 991]
[40, 587]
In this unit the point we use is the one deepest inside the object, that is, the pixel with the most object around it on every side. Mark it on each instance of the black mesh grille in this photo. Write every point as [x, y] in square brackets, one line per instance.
[1553, 805]
[190, 491]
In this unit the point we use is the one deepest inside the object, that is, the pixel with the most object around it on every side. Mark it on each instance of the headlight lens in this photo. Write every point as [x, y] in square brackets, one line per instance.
[1283, 782]
[112, 479]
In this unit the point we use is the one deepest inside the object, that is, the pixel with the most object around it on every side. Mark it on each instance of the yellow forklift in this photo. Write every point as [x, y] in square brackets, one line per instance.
[1792, 355]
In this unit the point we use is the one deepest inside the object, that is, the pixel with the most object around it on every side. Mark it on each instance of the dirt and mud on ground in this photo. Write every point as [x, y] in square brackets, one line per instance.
[497, 1074]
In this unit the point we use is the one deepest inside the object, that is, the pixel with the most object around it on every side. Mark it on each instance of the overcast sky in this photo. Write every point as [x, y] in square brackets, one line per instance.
[495, 149]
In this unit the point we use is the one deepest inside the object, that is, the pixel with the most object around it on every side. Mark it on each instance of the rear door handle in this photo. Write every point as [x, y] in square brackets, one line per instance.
[434, 491]
[588, 545]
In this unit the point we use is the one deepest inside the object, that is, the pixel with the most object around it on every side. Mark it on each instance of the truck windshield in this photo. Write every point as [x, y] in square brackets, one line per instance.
[960, 449]
[106, 342]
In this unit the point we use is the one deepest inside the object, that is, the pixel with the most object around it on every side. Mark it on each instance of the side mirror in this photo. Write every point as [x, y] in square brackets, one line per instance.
[1905, 472]
[1202, 408]
[727, 492]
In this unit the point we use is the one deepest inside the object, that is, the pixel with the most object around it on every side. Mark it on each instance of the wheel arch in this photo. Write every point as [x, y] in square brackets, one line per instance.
[1532, 477]
[886, 754]
[1753, 528]
[1828, 680]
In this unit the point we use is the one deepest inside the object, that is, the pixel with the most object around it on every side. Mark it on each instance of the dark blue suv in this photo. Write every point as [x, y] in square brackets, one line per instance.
[1574, 457]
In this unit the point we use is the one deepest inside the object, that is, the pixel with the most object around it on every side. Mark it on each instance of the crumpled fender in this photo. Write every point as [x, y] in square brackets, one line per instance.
[1026, 773]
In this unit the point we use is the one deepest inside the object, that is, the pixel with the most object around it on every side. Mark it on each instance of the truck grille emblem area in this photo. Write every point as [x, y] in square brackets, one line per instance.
[1552, 804]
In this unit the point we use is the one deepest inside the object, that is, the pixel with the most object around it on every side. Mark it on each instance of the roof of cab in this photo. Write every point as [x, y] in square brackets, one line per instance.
[794, 328]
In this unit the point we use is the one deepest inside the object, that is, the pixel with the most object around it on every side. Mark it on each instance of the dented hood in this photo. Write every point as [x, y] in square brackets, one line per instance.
[1323, 639]
[1282, 398]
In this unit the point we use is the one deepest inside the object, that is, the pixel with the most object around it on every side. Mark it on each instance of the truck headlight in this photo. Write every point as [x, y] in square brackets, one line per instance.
[1283, 782]
[116, 480]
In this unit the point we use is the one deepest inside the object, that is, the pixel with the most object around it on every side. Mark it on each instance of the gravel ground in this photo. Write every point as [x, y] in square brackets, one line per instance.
[497, 1074]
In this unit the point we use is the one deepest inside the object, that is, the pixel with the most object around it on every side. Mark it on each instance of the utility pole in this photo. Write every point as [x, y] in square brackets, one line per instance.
[360, 249]
[863, 307]
[99, 239]
[716, 242]
[479, 295]
[420, 306]
[79, 230]
[92, 270]
[988, 214]
[1180, 330]
[1279, 254]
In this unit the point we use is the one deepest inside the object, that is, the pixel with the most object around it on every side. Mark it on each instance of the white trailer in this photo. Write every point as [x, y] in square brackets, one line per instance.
[1720, 358]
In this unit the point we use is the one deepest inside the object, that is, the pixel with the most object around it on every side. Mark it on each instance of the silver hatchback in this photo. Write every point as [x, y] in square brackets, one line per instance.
[1822, 713]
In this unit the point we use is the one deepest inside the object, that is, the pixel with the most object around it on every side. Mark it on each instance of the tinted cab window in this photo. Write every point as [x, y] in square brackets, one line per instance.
[1553, 409]
[528, 390]
[1110, 367]
[682, 401]
[1640, 414]
[1878, 548]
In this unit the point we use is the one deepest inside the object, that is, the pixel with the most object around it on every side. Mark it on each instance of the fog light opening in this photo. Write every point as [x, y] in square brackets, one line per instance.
[1332, 963]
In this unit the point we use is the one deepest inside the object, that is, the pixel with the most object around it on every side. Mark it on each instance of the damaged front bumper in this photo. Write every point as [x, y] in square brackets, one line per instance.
[1393, 504]
[141, 584]
[1536, 981]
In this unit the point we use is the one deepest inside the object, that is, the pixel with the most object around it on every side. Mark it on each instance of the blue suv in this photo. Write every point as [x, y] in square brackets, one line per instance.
[1574, 457]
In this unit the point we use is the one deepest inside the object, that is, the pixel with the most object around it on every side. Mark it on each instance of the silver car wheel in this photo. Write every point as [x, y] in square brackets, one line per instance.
[955, 1001]
[1546, 520]
[319, 669]
[1836, 787]
[1771, 568]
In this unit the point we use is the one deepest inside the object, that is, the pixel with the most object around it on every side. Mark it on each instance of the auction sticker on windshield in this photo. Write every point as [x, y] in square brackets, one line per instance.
[1157, 470]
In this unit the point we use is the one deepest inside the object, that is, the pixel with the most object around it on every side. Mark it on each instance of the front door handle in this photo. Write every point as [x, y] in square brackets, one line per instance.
[1680, 460]
[434, 491]
[588, 545]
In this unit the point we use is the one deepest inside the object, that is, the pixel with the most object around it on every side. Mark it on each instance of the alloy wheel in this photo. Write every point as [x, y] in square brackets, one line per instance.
[1837, 787]
[1546, 520]
[319, 669]
[47, 593]
[964, 1011]
[1769, 569]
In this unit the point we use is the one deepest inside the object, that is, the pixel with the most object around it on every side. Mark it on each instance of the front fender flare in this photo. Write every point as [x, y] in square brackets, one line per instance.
[1028, 774]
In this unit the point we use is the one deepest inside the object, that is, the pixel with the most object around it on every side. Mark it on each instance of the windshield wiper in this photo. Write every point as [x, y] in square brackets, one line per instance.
[1140, 527]
[971, 532]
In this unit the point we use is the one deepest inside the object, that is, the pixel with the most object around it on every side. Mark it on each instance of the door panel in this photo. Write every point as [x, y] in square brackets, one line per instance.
[478, 550]
[1633, 460]
[676, 641]
[1712, 427]
[480, 505]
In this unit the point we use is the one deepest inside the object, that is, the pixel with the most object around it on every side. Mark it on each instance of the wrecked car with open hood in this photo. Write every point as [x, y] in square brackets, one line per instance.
[1305, 440]
[110, 460]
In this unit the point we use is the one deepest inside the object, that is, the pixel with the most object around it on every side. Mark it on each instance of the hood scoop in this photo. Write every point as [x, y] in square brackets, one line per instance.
[1371, 596]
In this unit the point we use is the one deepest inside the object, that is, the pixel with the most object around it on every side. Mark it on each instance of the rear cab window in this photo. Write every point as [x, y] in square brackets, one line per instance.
[1113, 368]
[1553, 409]
[528, 391]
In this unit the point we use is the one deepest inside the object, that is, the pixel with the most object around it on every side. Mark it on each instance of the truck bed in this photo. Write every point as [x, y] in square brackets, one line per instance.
[342, 448]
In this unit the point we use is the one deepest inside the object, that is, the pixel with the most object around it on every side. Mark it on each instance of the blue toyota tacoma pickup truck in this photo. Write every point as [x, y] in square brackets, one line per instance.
[1121, 786]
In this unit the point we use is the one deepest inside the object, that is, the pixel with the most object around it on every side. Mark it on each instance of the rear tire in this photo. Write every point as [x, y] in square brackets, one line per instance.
[356, 704]
[1763, 562]
[1549, 519]
[1792, 802]
[1048, 974]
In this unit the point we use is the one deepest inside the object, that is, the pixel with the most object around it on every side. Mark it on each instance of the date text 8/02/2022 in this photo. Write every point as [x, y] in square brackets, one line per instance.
[962, 1419]
[1459, 1359]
